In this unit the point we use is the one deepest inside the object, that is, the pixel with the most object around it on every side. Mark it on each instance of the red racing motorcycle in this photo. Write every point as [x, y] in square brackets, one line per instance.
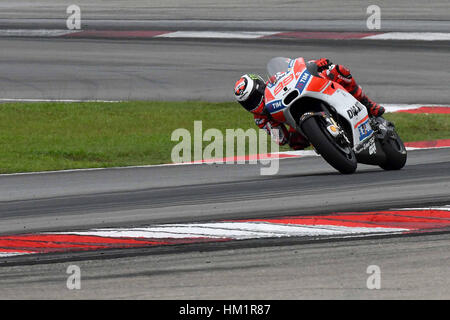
[336, 124]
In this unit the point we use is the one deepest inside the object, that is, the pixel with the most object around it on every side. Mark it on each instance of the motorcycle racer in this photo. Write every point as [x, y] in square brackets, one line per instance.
[249, 92]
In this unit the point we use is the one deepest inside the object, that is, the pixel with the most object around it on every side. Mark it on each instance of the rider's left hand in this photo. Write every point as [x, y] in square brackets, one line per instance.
[323, 64]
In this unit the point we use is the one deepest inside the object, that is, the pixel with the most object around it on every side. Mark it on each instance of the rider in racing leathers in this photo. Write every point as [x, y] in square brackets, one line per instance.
[249, 92]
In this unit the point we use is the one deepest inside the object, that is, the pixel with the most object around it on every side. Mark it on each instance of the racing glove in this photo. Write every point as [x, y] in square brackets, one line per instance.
[323, 64]
[297, 141]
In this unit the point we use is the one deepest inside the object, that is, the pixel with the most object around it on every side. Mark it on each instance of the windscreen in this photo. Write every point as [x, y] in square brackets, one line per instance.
[276, 66]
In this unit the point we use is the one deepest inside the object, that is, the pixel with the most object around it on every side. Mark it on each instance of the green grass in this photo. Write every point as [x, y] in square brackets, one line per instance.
[419, 127]
[56, 136]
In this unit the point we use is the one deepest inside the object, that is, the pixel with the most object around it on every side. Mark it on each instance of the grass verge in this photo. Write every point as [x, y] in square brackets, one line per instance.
[56, 136]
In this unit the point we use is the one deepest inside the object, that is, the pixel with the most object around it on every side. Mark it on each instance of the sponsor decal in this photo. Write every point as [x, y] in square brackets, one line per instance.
[364, 130]
[368, 144]
[274, 106]
[354, 110]
[273, 80]
[291, 63]
[254, 76]
[303, 80]
[282, 84]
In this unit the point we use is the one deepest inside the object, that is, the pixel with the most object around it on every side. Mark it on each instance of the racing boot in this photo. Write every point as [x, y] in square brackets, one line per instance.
[374, 108]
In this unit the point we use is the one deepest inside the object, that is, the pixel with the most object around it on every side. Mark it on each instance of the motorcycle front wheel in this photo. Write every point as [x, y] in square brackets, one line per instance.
[342, 158]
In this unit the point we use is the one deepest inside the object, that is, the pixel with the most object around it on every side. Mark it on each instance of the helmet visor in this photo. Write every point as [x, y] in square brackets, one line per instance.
[256, 96]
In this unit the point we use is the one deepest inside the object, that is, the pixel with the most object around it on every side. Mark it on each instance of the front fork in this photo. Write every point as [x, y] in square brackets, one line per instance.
[330, 124]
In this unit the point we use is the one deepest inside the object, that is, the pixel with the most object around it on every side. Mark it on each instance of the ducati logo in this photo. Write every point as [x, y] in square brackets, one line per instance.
[353, 111]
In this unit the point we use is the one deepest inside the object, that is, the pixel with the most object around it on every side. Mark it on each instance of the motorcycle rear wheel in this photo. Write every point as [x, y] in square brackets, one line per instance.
[342, 159]
[395, 152]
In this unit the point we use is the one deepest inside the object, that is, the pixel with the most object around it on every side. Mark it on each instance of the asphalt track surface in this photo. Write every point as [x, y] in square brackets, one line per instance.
[166, 69]
[395, 72]
[246, 269]
[136, 196]
[334, 15]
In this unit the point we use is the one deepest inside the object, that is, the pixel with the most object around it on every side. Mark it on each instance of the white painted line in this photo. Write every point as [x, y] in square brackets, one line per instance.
[217, 34]
[416, 148]
[231, 230]
[53, 100]
[397, 107]
[35, 32]
[299, 153]
[421, 36]
[12, 254]
[430, 208]
[95, 169]
[333, 226]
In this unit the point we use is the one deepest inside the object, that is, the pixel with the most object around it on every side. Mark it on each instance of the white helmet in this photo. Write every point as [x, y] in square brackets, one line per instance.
[249, 91]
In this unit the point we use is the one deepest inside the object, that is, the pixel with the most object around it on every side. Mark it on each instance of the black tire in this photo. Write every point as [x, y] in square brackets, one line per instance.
[344, 162]
[395, 152]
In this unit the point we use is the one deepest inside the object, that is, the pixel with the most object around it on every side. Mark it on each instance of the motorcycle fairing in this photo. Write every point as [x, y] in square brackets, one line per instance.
[296, 82]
